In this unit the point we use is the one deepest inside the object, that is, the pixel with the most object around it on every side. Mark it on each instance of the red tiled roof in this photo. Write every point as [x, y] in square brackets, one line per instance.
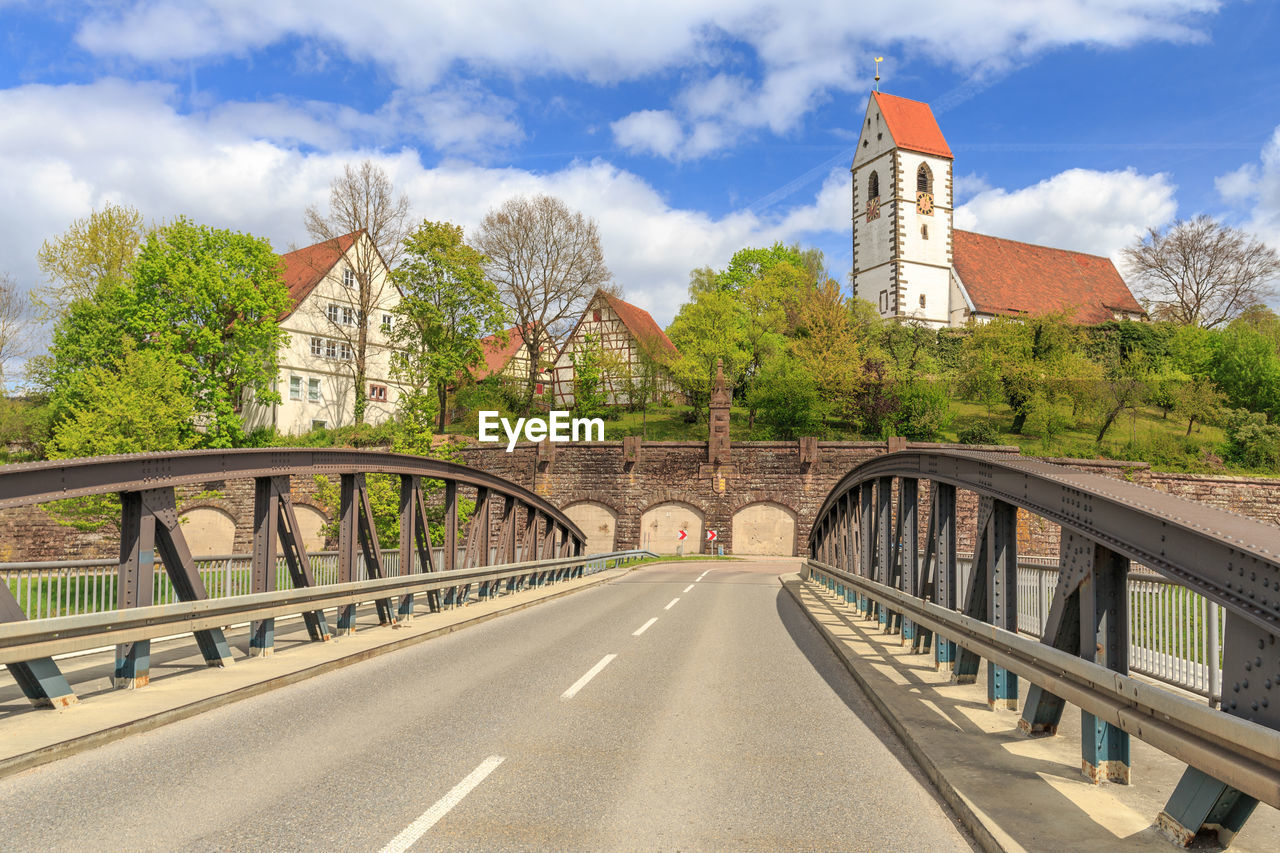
[496, 354]
[305, 268]
[641, 325]
[912, 125]
[1008, 277]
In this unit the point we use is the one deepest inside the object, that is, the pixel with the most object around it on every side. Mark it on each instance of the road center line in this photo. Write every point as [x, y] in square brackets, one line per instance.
[672, 603]
[645, 627]
[591, 673]
[431, 816]
[687, 588]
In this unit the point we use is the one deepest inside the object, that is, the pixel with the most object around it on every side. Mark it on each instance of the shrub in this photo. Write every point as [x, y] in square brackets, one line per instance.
[976, 432]
[1251, 441]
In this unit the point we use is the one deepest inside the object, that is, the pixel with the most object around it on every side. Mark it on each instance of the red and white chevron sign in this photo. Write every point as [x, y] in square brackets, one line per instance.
[683, 535]
[711, 536]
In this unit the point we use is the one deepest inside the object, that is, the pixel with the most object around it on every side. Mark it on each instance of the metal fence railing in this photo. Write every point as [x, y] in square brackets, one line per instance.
[70, 587]
[1175, 634]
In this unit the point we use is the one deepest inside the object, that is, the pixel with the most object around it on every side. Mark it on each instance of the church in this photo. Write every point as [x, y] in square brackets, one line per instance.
[912, 264]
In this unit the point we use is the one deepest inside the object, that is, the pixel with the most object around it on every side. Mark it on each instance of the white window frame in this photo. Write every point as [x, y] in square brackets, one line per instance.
[348, 277]
[315, 391]
[295, 387]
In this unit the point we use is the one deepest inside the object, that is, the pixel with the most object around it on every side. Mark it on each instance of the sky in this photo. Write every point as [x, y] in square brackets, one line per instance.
[686, 130]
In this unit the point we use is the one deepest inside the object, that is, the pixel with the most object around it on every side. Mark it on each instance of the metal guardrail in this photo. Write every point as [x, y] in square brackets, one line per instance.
[34, 639]
[1242, 754]
[1146, 581]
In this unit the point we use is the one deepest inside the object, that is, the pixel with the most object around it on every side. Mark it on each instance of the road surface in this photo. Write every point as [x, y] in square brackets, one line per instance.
[682, 707]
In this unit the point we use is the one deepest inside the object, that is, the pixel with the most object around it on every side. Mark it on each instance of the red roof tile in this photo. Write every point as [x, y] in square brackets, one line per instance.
[642, 327]
[305, 268]
[912, 125]
[1008, 277]
[496, 354]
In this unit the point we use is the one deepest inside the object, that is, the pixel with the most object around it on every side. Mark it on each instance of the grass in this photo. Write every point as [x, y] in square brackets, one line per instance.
[686, 559]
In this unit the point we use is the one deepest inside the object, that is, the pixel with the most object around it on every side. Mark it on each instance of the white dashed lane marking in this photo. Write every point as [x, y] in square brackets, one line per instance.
[591, 673]
[431, 816]
[645, 627]
[671, 603]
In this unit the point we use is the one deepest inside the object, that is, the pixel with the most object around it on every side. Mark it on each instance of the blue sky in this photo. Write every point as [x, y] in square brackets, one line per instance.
[687, 130]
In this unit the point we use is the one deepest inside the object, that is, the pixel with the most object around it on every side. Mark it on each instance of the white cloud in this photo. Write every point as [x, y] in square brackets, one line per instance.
[805, 50]
[649, 132]
[1080, 209]
[1254, 190]
[127, 143]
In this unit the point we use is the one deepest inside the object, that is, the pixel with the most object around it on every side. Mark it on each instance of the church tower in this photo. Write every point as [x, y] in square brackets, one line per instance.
[902, 213]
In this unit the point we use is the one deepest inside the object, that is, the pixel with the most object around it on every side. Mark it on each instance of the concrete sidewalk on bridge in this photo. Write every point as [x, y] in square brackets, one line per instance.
[182, 686]
[1015, 793]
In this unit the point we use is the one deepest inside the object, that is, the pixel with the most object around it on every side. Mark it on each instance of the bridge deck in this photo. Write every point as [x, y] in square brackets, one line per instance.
[726, 724]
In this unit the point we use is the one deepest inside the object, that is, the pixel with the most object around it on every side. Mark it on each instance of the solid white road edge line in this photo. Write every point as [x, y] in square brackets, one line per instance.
[672, 603]
[431, 816]
[591, 673]
[645, 627]
[687, 588]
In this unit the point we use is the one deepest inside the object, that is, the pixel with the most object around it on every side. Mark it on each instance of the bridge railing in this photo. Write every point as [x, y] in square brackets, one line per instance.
[507, 523]
[866, 548]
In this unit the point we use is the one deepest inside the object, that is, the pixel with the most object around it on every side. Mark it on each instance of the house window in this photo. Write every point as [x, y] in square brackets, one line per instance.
[341, 315]
[329, 348]
[537, 388]
[884, 302]
[317, 346]
[924, 232]
[348, 277]
[378, 392]
[295, 387]
[595, 314]
[386, 323]
[922, 300]
[313, 390]
[319, 424]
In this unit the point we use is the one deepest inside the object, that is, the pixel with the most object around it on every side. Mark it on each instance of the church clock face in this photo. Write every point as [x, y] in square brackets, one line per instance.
[873, 208]
[924, 203]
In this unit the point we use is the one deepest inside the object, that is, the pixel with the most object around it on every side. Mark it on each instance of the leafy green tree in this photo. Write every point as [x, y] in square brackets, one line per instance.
[751, 264]
[447, 306]
[825, 341]
[132, 403]
[706, 329]
[213, 298]
[1251, 441]
[786, 397]
[590, 396]
[1022, 362]
[99, 248]
[1247, 370]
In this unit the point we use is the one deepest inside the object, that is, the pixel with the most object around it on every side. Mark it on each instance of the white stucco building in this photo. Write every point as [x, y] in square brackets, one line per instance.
[911, 263]
[315, 382]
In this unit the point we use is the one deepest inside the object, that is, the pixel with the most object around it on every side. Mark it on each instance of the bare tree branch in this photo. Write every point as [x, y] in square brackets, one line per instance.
[361, 199]
[547, 262]
[17, 327]
[1200, 272]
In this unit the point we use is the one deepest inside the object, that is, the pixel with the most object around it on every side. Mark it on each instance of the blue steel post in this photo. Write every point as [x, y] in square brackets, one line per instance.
[1104, 639]
[1076, 554]
[299, 564]
[266, 510]
[884, 530]
[348, 536]
[908, 546]
[965, 668]
[944, 588]
[1002, 597]
[410, 485]
[136, 587]
[40, 680]
[867, 538]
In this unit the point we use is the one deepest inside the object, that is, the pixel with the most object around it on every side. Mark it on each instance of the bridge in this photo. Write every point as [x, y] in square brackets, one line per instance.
[489, 685]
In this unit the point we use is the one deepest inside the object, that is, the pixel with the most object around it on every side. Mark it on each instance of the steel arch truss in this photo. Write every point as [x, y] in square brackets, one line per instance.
[868, 555]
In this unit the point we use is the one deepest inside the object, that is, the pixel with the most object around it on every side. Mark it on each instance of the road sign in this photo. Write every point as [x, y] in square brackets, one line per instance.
[711, 536]
[684, 534]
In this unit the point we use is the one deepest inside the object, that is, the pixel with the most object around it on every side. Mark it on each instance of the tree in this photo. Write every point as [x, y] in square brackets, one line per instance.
[362, 201]
[547, 263]
[787, 399]
[98, 248]
[1247, 370]
[134, 402]
[590, 396]
[705, 330]
[1200, 272]
[446, 306]
[826, 343]
[213, 297]
[16, 327]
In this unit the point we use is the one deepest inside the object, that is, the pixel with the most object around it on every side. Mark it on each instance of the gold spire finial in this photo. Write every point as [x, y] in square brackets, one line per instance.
[879, 59]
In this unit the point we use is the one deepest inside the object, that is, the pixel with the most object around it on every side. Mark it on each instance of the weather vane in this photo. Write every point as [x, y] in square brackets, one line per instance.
[879, 59]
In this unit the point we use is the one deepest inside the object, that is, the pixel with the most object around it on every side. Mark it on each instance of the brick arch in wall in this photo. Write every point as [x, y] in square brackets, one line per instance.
[765, 527]
[598, 518]
[209, 529]
[670, 511]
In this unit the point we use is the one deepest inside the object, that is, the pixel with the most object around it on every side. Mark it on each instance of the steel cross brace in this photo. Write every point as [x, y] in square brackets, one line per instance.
[41, 681]
[415, 540]
[149, 523]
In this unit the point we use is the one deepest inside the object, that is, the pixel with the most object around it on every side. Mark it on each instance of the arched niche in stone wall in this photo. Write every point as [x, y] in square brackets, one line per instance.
[310, 524]
[209, 531]
[598, 521]
[661, 524]
[765, 528]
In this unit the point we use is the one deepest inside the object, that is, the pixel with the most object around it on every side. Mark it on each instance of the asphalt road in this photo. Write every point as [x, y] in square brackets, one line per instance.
[725, 724]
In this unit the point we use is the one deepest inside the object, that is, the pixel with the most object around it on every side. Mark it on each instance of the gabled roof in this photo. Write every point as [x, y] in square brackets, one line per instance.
[303, 269]
[641, 326]
[496, 354]
[1008, 277]
[912, 125]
